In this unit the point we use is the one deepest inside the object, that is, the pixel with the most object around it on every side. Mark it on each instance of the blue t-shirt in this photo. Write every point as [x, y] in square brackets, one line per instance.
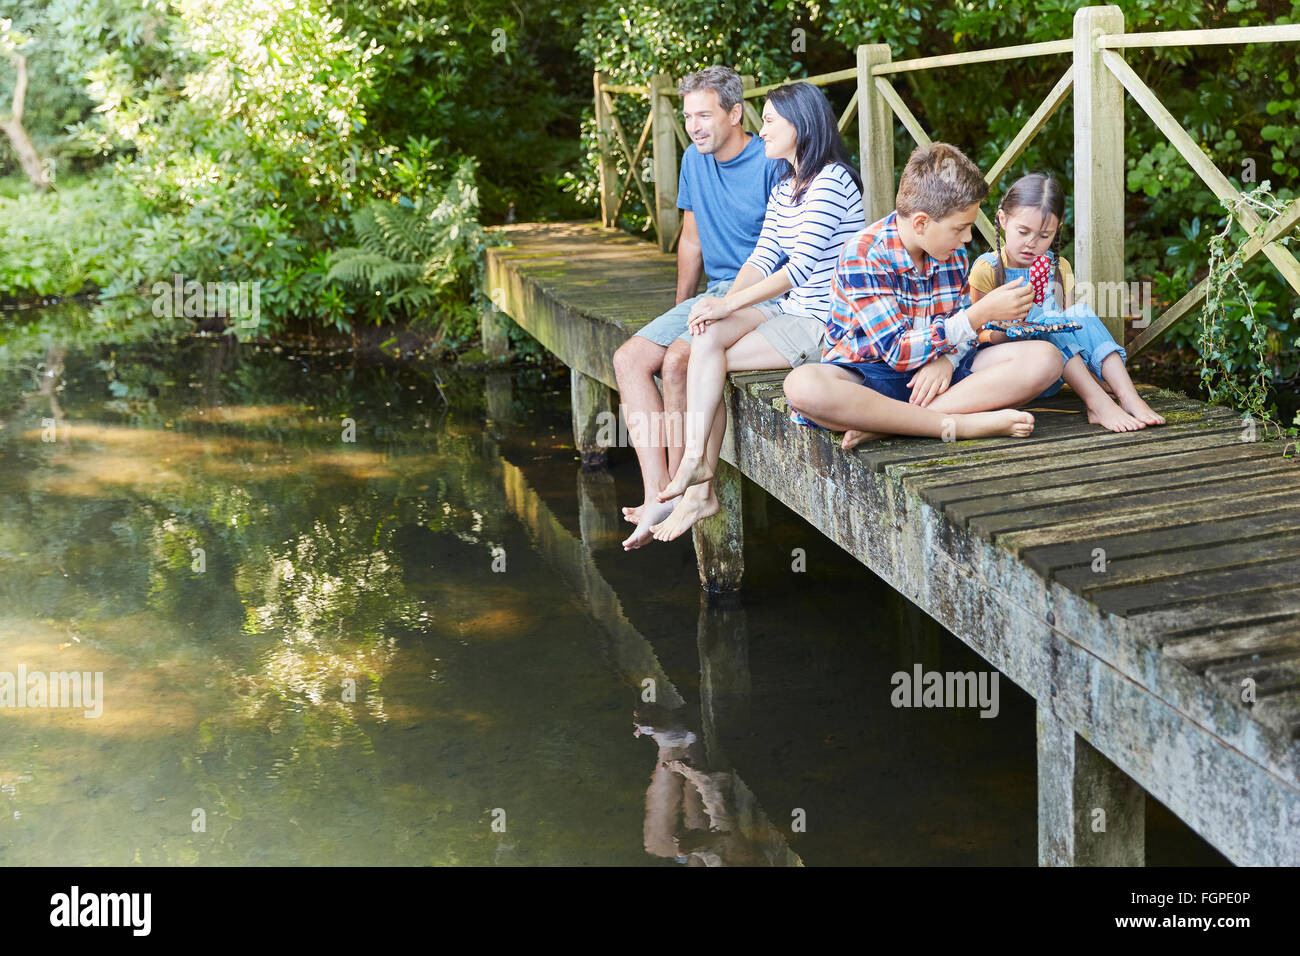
[729, 201]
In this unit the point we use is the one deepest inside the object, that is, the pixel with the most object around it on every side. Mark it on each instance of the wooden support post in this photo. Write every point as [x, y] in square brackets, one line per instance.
[498, 393]
[663, 107]
[494, 334]
[598, 514]
[1098, 169]
[725, 688]
[1089, 812]
[605, 146]
[720, 540]
[595, 424]
[875, 136]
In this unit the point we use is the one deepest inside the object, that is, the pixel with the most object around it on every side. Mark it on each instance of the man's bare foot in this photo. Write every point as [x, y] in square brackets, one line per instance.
[651, 514]
[1113, 418]
[691, 471]
[688, 511]
[1142, 411]
[853, 438]
[1004, 421]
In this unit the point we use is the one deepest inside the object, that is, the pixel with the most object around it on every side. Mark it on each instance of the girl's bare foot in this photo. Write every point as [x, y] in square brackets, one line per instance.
[689, 510]
[853, 438]
[1113, 418]
[691, 471]
[1142, 411]
[650, 515]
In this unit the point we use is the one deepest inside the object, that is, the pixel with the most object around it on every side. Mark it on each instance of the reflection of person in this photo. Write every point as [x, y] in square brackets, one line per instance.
[702, 818]
[812, 212]
[668, 797]
[896, 316]
[1030, 214]
[722, 191]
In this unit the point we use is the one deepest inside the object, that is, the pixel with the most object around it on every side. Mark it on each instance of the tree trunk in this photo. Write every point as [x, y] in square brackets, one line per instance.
[18, 138]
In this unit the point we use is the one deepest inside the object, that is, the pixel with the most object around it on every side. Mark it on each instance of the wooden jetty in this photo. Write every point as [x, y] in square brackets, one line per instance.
[1143, 587]
[1139, 670]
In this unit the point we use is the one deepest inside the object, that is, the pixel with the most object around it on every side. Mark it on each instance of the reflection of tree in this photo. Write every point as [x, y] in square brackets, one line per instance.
[304, 582]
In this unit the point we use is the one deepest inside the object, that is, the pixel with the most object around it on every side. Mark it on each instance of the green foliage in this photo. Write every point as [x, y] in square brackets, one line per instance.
[1238, 344]
[417, 257]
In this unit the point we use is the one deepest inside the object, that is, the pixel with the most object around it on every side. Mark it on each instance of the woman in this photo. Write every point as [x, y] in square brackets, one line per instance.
[775, 314]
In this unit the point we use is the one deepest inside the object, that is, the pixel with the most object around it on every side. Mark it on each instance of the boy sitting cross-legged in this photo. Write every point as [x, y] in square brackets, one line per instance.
[896, 317]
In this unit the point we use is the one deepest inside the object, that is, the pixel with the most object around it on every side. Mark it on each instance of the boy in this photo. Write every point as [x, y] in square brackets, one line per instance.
[896, 316]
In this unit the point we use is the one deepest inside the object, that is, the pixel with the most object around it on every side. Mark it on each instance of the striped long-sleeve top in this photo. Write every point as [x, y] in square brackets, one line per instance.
[806, 237]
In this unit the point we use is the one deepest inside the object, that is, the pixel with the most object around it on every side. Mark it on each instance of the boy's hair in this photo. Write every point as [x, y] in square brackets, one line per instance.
[939, 180]
[723, 80]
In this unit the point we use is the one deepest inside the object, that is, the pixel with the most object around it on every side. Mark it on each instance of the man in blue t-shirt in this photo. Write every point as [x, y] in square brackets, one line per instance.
[722, 191]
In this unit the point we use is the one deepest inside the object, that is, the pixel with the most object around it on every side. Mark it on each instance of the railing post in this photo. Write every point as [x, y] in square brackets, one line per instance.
[747, 83]
[608, 168]
[663, 93]
[875, 135]
[1098, 168]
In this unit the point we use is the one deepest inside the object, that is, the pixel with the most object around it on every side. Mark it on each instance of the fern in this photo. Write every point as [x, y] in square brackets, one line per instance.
[420, 256]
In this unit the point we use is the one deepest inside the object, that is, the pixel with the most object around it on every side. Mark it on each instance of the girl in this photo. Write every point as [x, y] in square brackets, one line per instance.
[1030, 214]
[811, 213]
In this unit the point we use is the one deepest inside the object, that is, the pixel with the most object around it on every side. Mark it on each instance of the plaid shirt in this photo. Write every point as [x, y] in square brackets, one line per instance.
[884, 309]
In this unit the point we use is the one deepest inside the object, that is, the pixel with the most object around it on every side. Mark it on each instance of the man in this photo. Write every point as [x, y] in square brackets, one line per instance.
[722, 191]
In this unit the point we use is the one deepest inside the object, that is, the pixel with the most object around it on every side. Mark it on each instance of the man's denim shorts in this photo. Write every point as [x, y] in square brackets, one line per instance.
[672, 324]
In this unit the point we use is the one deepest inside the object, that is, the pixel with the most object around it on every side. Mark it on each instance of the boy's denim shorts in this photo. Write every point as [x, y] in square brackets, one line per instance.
[888, 381]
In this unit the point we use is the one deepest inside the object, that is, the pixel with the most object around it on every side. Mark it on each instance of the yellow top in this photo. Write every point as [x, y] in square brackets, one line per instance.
[981, 274]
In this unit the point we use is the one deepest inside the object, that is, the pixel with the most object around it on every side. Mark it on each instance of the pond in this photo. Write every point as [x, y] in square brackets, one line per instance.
[338, 611]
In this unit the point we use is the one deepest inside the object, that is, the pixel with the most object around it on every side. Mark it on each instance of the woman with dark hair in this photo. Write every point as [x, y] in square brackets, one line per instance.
[774, 315]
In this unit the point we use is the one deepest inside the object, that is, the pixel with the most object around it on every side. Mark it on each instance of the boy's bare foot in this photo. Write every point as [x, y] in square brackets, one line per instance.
[650, 514]
[689, 510]
[1142, 411]
[1113, 418]
[1005, 421]
[853, 438]
[691, 471]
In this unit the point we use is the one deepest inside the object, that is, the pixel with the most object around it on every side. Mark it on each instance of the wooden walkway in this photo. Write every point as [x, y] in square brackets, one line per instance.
[1144, 672]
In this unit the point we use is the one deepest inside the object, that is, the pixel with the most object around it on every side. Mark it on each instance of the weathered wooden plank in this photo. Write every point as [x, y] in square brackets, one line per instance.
[1177, 563]
[1016, 511]
[1157, 538]
[1267, 635]
[1217, 583]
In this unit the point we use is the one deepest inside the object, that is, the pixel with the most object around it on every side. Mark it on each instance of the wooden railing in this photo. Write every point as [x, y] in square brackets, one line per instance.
[1098, 76]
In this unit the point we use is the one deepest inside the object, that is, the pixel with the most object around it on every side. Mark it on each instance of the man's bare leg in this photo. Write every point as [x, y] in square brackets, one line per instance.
[635, 364]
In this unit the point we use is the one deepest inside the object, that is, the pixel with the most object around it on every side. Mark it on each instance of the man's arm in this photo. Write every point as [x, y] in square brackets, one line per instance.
[690, 258]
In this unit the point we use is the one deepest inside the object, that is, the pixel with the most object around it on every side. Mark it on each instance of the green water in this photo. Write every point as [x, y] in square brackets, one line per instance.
[353, 613]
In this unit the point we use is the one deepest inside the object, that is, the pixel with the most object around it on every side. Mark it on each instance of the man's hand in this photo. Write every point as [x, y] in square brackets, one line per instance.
[1008, 303]
[930, 381]
[705, 312]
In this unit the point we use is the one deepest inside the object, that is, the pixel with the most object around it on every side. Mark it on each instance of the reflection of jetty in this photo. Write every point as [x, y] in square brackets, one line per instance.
[708, 816]
[1138, 670]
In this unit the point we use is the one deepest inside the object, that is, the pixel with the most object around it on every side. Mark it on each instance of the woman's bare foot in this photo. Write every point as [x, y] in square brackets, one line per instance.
[1113, 418]
[689, 510]
[1142, 411]
[633, 515]
[691, 471]
[650, 514]
[853, 438]
[1005, 421]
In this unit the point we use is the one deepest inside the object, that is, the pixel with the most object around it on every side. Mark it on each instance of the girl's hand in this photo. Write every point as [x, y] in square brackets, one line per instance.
[705, 312]
[930, 381]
